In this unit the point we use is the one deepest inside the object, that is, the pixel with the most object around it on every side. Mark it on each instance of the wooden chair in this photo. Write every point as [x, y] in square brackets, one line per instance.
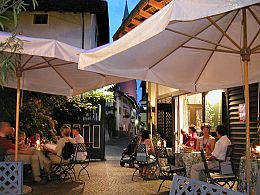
[167, 169]
[184, 185]
[142, 161]
[218, 178]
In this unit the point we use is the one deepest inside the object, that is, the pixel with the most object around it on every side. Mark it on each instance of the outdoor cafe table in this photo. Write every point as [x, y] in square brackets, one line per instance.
[255, 166]
[186, 159]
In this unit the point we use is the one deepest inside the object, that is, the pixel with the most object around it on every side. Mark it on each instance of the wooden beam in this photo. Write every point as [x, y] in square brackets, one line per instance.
[144, 14]
[127, 29]
[120, 35]
[135, 21]
[155, 4]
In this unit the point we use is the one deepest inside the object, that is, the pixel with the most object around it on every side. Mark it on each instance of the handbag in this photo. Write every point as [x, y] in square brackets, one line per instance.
[226, 168]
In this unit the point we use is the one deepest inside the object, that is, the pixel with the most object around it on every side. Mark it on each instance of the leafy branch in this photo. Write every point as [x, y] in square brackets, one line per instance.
[16, 6]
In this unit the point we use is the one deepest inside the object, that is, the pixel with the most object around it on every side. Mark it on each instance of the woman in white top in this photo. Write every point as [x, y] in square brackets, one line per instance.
[65, 132]
[206, 142]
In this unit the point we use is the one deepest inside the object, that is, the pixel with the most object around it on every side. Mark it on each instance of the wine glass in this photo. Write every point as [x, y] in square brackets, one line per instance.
[192, 144]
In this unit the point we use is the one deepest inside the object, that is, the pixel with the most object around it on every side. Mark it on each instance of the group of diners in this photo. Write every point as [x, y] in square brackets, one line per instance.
[215, 150]
[40, 158]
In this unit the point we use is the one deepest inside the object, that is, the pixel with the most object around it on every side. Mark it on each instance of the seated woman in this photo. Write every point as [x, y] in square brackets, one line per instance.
[145, 139]
[206, 142]
[34, 138]
[43, 160]
[193, 137]
[65, 133]
[185, 136]
[21, 140]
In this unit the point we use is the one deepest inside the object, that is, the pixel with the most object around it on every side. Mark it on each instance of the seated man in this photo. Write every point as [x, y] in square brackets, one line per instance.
[78, 139]
[218, 153]
[24, 155]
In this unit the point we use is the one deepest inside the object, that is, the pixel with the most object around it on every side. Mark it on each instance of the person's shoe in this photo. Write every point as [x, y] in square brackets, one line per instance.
[37, 179]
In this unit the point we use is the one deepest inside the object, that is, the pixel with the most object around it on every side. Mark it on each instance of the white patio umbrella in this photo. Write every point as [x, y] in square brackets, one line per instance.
[50, 66]
[190, 45]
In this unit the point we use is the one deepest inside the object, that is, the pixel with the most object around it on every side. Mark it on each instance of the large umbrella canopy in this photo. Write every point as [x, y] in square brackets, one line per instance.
[48, 66]
[190, 45]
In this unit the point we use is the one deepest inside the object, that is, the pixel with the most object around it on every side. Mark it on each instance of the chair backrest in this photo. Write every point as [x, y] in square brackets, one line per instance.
[82, 150]
[229, 153]
[141, 152]
[161, 156]
[160, 152]
[68, 150]
[184, 185]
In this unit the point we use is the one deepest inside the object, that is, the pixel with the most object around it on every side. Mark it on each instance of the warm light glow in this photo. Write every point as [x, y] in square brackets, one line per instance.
[258, 149]
[38, 142]
[164, 143]
[214, 96]
[136, 122]
[159, 143]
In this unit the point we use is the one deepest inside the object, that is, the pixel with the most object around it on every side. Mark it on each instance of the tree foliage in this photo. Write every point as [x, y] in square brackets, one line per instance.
[45, 112]
[14, 7]
[9, 61]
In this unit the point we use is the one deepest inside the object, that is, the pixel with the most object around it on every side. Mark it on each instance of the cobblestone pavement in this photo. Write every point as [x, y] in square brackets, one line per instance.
[108, 178]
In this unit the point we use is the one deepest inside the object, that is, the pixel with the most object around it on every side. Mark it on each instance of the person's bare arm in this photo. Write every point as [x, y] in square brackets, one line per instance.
[212, 145]
[49, 149]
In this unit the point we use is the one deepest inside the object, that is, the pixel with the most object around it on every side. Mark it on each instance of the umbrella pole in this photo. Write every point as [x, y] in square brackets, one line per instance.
[246, 93]
[18, 77]
[245, 54]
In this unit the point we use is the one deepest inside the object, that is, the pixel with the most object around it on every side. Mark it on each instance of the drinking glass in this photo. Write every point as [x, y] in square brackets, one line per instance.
[192, 144]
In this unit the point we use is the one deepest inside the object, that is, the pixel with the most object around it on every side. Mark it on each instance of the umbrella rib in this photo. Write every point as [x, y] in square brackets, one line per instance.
[182, 44]
[58, 73]
[223, 32]
[196, 81]
[205, 49]
[35, 65]
[46, 66]
[257, 20]
[255, 49]
[27, 61]
[200, 39]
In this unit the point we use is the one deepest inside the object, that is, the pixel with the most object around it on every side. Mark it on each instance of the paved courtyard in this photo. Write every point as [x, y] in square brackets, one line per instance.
[107, 177]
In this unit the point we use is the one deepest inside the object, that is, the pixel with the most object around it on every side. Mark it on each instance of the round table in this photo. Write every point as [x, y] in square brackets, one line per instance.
[255, 167]
[187, 160]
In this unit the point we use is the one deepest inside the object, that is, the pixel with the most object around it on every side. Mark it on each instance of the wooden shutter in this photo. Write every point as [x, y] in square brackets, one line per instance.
[237, 128]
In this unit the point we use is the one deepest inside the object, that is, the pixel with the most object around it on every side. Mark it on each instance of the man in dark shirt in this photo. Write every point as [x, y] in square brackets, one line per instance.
[185, 136]
[5, 142]
[25, 156]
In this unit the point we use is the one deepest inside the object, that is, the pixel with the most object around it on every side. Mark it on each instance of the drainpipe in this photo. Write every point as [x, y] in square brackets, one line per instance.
[83, 29]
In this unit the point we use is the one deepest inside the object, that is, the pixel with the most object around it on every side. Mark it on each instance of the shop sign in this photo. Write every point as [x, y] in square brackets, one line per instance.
[242, 112]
